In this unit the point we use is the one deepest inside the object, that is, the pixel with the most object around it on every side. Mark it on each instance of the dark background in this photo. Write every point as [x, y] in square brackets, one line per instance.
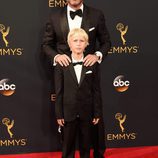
[30, 106]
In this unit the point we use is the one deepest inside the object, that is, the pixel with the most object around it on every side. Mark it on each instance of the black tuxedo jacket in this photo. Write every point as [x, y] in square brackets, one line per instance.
[73, 98]
[57, 28]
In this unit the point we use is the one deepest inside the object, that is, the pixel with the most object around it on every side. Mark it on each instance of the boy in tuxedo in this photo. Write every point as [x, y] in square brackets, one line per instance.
[78, 97]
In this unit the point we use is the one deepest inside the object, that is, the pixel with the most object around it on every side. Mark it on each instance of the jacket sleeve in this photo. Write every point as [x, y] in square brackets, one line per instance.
[97, 100]
[59, 90]
[103, 36]
[49, 39]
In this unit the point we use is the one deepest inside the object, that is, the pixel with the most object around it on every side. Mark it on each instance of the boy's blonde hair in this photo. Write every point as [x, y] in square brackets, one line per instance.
[78, 31]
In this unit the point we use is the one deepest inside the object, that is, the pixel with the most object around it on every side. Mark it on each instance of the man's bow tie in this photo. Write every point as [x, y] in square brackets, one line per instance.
[77, 12]
[77, 63]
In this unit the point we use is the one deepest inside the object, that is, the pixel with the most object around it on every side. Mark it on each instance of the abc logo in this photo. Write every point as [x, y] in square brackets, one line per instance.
[5, 88]
[120, 84]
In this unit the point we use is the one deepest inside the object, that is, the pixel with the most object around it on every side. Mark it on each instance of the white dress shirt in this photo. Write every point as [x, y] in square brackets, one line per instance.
[77, 68]
[77, 21]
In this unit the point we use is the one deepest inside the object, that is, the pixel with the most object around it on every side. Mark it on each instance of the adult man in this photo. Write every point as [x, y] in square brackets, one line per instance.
[59, 24]
[61, 21]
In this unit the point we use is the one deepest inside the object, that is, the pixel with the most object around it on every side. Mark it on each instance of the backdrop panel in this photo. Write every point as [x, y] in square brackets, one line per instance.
[129, 76]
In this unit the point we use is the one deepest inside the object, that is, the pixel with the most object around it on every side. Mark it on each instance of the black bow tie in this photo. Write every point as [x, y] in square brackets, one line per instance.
[77, 63]
[77, 12]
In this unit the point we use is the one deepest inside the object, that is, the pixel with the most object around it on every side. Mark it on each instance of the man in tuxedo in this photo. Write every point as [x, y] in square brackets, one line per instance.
[78, 15]
[78, 97]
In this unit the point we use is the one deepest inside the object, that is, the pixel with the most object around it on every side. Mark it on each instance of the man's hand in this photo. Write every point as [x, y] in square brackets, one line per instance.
[61, 122]
[63, 60]
[90, 59]
[95, 121]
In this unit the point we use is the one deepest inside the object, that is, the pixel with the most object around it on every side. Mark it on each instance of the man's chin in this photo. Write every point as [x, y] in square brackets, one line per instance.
[76, 4]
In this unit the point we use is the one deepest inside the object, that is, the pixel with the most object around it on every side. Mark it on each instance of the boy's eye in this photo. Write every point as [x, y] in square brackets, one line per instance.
[78, 40]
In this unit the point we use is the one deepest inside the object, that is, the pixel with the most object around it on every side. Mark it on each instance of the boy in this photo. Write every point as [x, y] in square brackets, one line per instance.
[78, 97]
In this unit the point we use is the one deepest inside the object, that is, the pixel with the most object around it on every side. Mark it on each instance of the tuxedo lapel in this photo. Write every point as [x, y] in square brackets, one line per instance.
[64, 23]
[86, 19]
[72, 71]
[82, 74]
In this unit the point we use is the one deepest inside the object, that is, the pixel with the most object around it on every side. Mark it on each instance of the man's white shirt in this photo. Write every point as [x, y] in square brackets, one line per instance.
[77, 21]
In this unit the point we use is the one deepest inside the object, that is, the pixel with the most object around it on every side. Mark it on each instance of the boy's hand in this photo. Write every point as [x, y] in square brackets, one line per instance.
[95, 121]
[61, 122]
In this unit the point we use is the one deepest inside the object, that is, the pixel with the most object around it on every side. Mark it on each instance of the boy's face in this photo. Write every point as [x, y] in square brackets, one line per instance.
[77, 44]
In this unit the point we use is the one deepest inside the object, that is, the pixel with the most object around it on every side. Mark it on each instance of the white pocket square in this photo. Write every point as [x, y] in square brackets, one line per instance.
[91, 29]
[88, 72]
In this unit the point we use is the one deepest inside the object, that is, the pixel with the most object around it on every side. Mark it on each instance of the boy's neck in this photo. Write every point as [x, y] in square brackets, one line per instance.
[77, 56]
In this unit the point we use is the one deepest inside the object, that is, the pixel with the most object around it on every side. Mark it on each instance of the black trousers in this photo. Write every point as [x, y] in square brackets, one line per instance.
[71, 129]
[98, 138]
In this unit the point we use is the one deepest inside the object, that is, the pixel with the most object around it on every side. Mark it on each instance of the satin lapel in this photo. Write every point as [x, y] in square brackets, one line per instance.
[82, 74]
[64, 23]
[86, 19]
[72, 71]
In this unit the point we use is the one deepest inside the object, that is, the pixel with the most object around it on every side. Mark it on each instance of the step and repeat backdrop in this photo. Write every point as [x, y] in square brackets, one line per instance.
[129, 76]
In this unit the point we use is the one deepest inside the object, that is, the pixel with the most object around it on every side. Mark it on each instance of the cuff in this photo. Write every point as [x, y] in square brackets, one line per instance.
[100, 55]
[54, 62]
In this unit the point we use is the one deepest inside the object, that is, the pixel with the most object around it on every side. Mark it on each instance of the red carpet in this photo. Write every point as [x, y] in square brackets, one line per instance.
[135, 152]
